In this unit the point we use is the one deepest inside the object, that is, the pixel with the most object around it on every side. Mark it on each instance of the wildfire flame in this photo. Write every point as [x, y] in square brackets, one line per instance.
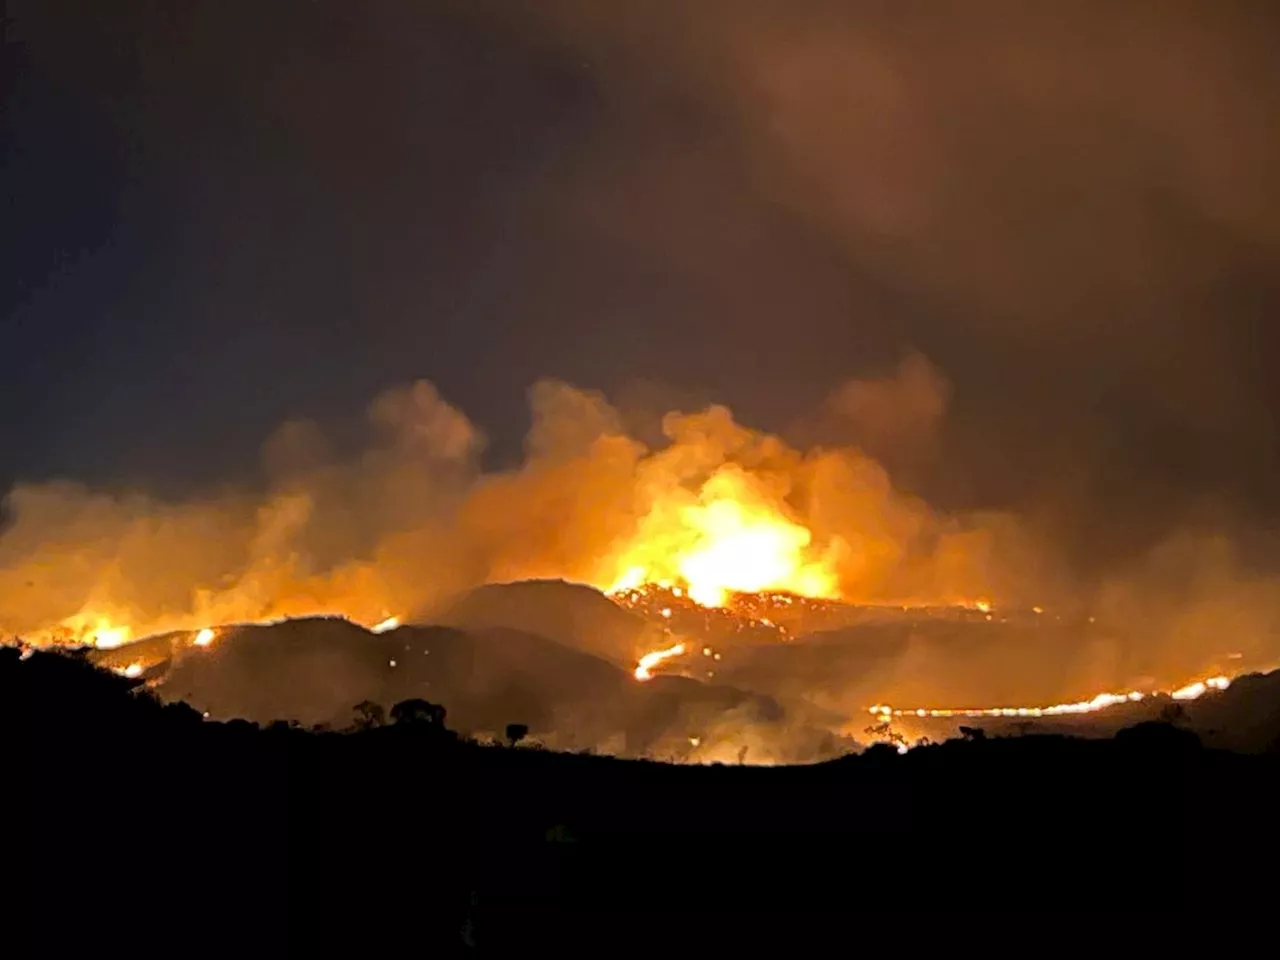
[645, 665]
[733, 540]
[1100, 702]
[92, 630]
[382, 626]
[204, 637]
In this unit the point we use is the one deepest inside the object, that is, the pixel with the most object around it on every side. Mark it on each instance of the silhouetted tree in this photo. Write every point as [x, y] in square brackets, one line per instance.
[369, 715]
[973, 733]
[885, 732]
[516, 732]
[418, 711]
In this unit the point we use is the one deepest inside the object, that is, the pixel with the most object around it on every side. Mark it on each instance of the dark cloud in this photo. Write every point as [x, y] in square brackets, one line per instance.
[1071, 207]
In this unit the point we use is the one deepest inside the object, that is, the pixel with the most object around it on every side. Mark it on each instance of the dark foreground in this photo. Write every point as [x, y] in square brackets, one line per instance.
[146, 828]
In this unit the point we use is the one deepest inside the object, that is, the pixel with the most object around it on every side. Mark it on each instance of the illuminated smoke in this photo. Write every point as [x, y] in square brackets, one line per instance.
[711, 509]
[413, 521]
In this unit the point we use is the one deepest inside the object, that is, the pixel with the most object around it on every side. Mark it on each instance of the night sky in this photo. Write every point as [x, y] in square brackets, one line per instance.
[222, 215]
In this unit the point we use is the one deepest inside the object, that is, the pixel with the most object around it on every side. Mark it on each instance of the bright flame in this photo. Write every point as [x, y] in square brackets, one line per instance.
[111, 637]
[94, 631]
[645, 665]
[734, 539]
[1195, 690]
[204, 637]
[382, 626]
[131, 671]
[1099, 702]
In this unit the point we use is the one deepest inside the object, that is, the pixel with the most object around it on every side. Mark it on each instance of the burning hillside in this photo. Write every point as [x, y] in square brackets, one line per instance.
[413, 522]
[731, 557]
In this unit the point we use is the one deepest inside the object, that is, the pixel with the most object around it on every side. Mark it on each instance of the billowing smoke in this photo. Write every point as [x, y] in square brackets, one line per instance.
[413, 520]
[1072, 208]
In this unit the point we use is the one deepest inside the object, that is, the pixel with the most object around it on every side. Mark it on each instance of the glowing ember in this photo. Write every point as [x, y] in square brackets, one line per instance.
[734, 539]
[645, 665]
[131, 671]
[204, 637]
[382, 626]
[1100, 702]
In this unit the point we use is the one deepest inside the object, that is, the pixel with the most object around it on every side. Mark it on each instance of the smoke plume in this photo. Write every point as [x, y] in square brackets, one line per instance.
[413, 520]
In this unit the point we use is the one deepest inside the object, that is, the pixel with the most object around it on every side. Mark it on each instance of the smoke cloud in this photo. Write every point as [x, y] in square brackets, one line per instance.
[413, 520]
[1071, 207]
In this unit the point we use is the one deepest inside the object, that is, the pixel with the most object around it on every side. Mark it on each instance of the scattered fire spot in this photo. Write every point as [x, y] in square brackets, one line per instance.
[645, 665]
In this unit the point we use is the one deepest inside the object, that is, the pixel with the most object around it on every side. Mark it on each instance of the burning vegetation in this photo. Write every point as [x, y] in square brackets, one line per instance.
[723, 541]
[701, 501]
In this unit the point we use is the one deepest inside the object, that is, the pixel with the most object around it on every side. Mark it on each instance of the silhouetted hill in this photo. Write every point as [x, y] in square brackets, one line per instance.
[312, 672]
[782, 701]
[144, 825]
[572, 614]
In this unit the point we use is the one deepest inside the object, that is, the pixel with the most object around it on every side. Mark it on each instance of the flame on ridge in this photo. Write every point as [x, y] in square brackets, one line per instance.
[732, 540]
[1100, 702]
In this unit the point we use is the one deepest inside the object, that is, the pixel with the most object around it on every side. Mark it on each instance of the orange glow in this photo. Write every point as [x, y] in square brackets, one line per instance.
[1099, 702]
[645, 665]
[732, 540]
[1193, 691]
[105, 633]
[91, 630]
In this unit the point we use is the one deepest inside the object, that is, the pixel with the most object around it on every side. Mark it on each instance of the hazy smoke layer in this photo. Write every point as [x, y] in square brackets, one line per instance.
[413, 520]
[1072, 207]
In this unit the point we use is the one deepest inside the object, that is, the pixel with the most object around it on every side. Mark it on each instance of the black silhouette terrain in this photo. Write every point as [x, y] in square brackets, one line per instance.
[141, 826]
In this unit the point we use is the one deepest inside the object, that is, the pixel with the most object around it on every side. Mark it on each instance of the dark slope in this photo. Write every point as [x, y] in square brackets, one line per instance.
[313, 672]
[949, 664]
[575, 615]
